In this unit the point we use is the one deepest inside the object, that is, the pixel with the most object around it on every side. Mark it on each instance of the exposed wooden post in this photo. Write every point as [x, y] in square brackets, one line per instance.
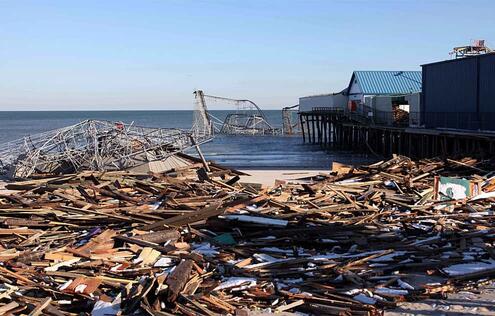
[302, 126]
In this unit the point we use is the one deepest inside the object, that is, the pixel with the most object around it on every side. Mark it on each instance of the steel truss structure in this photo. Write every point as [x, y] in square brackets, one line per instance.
[93, 145]
[290, 120]
[247, 118]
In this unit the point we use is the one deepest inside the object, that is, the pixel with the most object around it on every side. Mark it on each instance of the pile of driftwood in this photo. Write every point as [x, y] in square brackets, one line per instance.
[196, 241]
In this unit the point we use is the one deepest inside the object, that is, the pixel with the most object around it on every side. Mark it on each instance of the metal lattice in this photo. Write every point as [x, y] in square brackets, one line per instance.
[92, 145]
[246, 119]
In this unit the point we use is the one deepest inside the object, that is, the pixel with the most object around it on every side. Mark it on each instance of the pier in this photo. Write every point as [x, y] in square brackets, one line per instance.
[341, 129]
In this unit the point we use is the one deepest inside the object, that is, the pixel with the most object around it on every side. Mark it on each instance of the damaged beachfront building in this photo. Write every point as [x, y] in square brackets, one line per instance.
[443, 110]
[383, 97]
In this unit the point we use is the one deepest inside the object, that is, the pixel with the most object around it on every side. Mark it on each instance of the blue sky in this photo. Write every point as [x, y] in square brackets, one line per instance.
[133, 55]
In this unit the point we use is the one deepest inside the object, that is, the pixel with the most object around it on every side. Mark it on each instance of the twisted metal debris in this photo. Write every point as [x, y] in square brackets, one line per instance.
[92, 145]
[246, 119]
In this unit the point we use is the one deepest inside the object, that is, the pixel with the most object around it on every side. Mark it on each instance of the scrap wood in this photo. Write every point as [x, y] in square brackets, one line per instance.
[38, 310]
[178, 278]
[8, 307]
[349, 242]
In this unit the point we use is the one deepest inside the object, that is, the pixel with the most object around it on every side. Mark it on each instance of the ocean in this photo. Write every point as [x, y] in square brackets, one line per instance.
[241, 152]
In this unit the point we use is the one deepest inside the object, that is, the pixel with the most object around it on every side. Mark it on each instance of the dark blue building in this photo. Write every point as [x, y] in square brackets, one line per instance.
[459, 93]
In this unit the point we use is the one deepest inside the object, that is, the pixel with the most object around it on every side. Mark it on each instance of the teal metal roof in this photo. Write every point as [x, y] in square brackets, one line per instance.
[387, 82]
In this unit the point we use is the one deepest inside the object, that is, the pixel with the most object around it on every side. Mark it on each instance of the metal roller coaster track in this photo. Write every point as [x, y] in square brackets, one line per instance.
[246, 119]
[96, 145]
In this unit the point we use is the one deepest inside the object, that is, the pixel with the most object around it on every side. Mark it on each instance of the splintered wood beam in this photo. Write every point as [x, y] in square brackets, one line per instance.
[178, 279]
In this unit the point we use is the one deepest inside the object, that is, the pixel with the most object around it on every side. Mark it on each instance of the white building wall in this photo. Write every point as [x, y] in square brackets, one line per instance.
[413, 101]
[355, 92]
[307, 104]
[414, 108]
[383, 103]
[381, 107]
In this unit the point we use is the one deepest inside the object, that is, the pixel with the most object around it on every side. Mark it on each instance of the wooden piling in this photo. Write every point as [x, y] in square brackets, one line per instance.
[336, 131]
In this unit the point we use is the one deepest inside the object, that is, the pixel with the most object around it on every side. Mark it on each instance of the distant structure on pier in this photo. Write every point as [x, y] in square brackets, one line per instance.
[459, 93]
[377, 97]
[477, 47]
[445, 109]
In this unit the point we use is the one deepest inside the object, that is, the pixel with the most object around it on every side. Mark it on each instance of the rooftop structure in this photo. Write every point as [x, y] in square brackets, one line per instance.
[383, 83]
[477, 47]
[460, 93]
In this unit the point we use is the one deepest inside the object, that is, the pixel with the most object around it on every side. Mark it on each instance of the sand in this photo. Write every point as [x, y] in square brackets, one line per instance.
[461, 303]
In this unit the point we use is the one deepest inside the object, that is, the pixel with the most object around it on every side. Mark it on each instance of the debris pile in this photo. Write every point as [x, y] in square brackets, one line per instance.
[94, 145]
[354, 241]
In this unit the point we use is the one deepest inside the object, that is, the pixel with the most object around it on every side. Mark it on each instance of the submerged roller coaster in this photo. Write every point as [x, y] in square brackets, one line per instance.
[104, 146]
[246, 119]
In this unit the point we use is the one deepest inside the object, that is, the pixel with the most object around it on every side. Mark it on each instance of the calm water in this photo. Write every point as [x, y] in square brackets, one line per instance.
[243, 152]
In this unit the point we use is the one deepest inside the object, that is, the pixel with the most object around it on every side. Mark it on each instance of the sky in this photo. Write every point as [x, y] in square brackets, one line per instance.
[151, 55]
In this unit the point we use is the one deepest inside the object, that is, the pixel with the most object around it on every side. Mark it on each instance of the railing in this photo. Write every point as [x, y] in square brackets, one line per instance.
[334, 109]
[364, 114]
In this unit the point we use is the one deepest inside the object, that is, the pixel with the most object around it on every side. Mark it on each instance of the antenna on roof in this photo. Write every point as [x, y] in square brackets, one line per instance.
[401, 73]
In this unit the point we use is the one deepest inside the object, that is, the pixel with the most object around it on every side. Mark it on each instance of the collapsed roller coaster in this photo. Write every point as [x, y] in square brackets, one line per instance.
[97, 146]
[247, 118]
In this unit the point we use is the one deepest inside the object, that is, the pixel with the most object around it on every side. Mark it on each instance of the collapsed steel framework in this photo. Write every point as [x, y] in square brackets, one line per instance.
[93, 145]
[247, 118]
[290, 121]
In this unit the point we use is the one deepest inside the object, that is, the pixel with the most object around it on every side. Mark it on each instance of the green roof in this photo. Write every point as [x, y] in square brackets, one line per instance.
[387, 82]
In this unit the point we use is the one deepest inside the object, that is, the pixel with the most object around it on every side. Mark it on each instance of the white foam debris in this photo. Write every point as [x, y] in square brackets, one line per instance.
[163, 262]
[65, 285]
[80, 288]
[484, 195]
[348, 181]
[103, 308]
[264, 260]
[257, 220]
[205, 249]
[390, 292]
[66, 263]
[155, 205]
[252, 207]
[427, 240]
[364, 299]
[277, 250]
[468, 268]
[388, 257]
[236, 284]
[266, 238]
[331, 255]
[481, 214]
[327, 240]
[353, 291]
[405, 285]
